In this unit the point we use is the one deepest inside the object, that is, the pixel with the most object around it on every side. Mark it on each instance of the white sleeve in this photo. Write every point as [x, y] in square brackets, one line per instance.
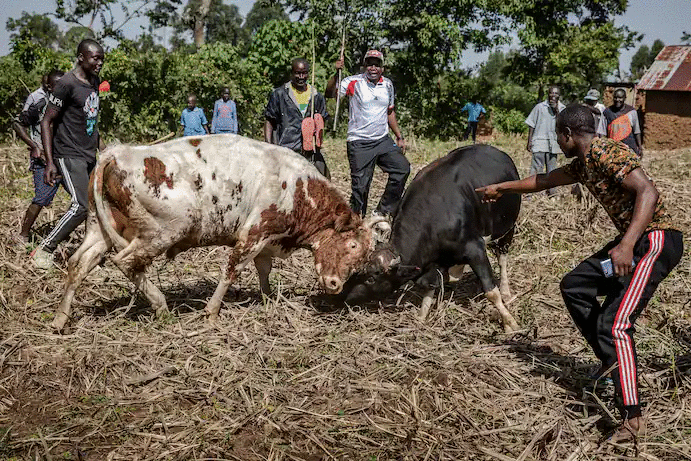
[602, 126]
[343, 88]
[635, 126]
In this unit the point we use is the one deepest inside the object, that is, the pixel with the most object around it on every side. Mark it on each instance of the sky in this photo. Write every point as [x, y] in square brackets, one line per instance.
[665, 19]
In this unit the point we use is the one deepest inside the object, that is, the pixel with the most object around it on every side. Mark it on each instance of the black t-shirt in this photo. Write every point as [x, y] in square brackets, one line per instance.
[75, 130]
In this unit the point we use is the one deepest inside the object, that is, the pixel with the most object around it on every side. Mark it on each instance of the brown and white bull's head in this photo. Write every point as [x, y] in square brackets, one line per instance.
[343, 250]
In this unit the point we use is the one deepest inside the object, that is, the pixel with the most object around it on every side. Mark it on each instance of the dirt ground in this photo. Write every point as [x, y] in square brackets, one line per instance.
[289, 378]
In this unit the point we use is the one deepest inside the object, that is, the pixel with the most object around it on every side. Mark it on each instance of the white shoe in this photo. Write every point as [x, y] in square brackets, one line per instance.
[42, 259]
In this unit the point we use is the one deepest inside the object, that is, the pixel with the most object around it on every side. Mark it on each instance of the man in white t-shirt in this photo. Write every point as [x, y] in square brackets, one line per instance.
[371, 116]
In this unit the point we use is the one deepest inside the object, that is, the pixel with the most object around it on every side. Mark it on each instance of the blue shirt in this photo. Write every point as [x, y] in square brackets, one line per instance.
[225, 117]
[474, 110]
[193, 121]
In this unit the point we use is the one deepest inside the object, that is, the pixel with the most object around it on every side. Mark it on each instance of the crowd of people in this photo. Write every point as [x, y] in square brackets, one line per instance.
[604, 142]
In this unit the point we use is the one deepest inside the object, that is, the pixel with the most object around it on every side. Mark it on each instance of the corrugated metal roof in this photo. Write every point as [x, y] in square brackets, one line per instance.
[671, 70]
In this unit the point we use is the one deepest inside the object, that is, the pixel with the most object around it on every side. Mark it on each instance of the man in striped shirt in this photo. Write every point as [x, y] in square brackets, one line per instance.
[648, 247]
[371, 116]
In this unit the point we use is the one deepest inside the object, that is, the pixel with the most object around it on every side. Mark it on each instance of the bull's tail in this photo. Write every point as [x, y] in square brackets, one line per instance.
[103, 211]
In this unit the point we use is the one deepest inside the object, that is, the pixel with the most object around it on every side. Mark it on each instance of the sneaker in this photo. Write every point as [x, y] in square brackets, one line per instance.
[42, 259]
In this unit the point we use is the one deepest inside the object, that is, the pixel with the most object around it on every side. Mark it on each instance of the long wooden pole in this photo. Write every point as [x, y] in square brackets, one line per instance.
[338, 80]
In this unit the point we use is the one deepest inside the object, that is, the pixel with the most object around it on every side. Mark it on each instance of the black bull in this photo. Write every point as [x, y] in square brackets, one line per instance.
[441, 222]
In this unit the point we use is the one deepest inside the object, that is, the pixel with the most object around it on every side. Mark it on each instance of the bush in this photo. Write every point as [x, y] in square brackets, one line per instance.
[508, 120]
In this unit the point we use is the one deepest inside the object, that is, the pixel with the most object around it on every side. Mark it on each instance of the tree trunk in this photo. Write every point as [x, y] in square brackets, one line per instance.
[200, 17]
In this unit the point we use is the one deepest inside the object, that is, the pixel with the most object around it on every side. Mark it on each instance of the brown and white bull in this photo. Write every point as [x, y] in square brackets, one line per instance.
[261, 200]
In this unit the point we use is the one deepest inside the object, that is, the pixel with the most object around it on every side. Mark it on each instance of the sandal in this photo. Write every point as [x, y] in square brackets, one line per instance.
[319, 129]
[308, 129]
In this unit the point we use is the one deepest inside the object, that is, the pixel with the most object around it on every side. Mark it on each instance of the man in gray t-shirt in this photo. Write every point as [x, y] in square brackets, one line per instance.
[542, 134]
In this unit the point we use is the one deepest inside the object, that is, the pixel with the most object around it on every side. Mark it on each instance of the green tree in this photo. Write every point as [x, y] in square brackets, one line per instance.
[36, 27]
[262, 12]
[551, 35]
[224, 24]
[88, 13]
[640, 61]
[644, 58]
[658, 45]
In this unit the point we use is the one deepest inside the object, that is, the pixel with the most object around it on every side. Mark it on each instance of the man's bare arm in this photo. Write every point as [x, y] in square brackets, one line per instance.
[643, 210]
[535, 183]
[47, 137]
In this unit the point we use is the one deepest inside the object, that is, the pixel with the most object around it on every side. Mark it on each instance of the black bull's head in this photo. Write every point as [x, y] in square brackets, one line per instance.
[381, 275]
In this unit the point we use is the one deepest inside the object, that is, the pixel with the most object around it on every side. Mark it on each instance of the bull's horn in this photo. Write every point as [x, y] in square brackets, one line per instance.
[372, 220]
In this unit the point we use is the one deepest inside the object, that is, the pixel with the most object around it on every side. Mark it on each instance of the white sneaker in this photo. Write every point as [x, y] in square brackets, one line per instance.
[42, 259]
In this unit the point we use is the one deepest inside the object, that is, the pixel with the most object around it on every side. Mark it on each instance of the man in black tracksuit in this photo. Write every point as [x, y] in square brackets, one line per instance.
[648, 247]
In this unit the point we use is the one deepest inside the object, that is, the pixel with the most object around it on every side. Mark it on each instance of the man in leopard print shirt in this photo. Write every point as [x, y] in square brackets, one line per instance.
[647, 248]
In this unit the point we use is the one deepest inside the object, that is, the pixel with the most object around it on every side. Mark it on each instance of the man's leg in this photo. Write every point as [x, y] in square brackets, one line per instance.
[362, 158]
[318, 160]
[43, 196]
[580, 289]
[551, 164]
[466, 133]
[75, 177]
[537, 165]
[659, 251]
[392, 161]
[473, 130]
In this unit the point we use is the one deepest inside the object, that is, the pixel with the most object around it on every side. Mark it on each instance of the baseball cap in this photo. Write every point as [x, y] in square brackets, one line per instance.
[592, 94]
[374, 54]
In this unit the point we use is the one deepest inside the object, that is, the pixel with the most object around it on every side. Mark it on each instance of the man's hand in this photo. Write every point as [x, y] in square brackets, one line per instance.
[400, 142]
[50, 174]
[35, 152]
[528, 147]
[622, 259]
[339, 64]
[489, 193]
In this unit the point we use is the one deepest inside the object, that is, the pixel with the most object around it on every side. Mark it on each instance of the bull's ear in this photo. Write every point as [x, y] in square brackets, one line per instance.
[345, 219]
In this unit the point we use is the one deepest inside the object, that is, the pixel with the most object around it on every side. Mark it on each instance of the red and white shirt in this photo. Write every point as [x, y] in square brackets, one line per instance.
[369, 106]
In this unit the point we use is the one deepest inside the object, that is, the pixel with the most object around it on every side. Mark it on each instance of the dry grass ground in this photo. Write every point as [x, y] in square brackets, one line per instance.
[283, 378]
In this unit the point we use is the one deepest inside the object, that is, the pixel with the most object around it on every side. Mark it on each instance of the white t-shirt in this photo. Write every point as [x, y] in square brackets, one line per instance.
[369, 106]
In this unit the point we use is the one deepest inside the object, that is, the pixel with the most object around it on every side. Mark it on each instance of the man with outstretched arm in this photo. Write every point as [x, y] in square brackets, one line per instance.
[372, 114]
[69, 131]
[648, 247]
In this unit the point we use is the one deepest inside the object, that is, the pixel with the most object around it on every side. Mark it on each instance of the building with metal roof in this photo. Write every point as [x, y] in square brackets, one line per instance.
[667, 106]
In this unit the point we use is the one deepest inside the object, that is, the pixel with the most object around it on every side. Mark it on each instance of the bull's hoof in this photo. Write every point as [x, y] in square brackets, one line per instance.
[162, 311]
[511, 327]
[58, 324]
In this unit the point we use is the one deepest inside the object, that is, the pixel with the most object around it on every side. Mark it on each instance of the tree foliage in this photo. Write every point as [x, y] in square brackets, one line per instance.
[262, 12]
[36, 27]
[644, 58]
[553, 34]
[574, 43]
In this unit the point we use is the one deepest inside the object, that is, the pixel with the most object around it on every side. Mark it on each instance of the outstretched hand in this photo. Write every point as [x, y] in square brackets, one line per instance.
[489, 193]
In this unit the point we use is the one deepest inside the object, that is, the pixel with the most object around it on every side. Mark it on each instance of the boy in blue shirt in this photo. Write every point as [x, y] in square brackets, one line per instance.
[225, 116]
[193, 119]
[475, 111]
